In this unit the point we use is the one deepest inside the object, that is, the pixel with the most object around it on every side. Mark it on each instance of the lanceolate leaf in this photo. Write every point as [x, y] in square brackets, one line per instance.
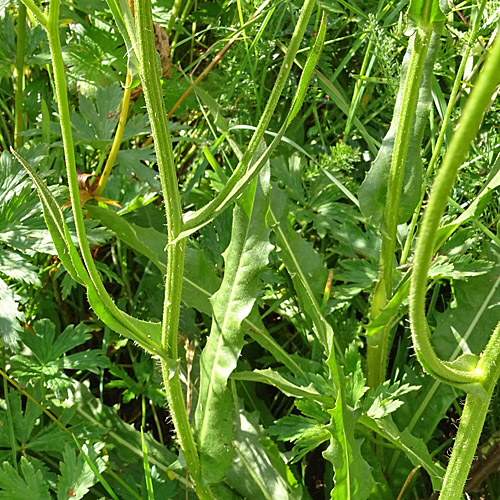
[125, 22]
[245, 258]
[259, 470]
[373, 191]
[474, 210]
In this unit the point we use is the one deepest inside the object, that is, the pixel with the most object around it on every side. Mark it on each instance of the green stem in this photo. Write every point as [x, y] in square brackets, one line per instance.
[52, 28]
[401, 143]
[18, 96]
[40, 16]
[444, 127]
[150, 77]
[377, 344]
[468, 126]
[176, 10]
[198, 217]
[471, 423]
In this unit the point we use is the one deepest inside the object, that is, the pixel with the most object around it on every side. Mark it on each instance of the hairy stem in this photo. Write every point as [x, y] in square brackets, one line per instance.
[377, 345]
[18, 96]
[468, 126]
[471, 422]
[150, 77]
[195, 219]
[444, 126]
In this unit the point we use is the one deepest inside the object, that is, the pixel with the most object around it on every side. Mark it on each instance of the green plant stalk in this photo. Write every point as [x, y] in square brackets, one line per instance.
[18, 95]
[176, 10]
[52, 29]
[468, 126]
[39, 14]
[195, 219]
[471, 422]
[444, 126]
[150, 77]
[377, 344]
[118, 137]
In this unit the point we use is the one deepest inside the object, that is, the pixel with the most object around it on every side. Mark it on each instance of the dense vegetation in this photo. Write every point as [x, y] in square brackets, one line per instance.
[262, 297]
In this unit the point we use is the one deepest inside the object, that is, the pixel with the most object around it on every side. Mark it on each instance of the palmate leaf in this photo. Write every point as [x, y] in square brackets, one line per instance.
[26, 485]
[47, 360]
[76, 476]
[245, 258]
[10, 316]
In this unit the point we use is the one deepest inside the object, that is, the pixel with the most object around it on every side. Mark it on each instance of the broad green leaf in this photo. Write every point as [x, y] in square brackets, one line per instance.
[466, 325]
[373, 191]
[425, 13]
[146, 241]
[413, 447]
[201, 280]
[287, 387]
[245, 258]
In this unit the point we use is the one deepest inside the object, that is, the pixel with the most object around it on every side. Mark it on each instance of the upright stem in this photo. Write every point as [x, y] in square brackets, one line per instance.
[150, 77]
[446, 120]
[52, 28]
[377, 345]
[18, 96]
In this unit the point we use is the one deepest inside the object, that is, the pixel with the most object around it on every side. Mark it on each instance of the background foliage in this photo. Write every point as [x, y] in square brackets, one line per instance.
[71, 374]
